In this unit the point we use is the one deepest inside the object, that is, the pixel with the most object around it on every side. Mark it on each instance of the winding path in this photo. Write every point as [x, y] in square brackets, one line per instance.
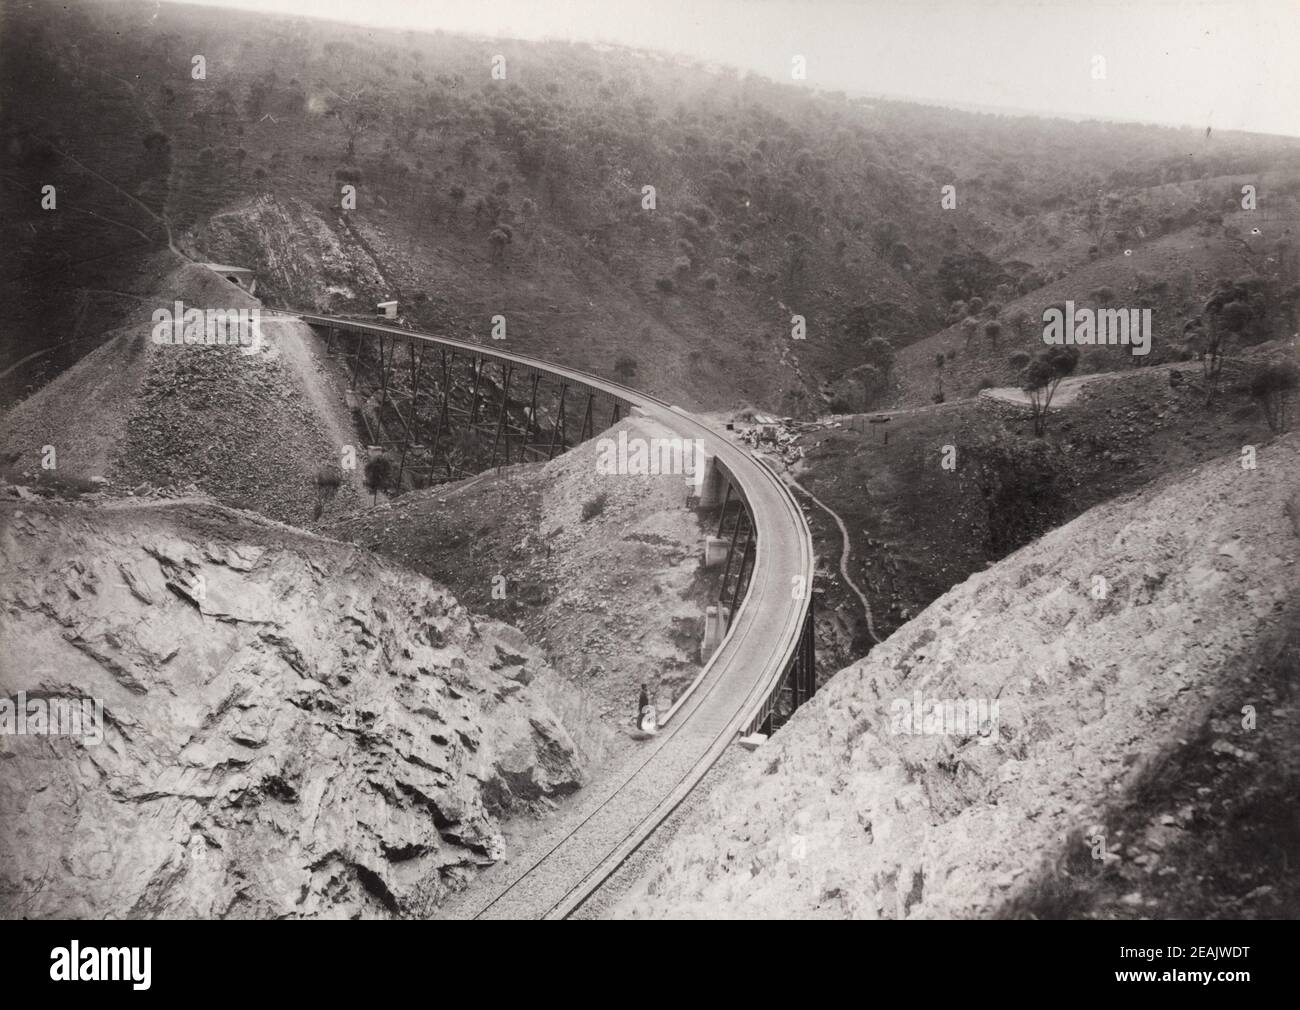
[846, 553]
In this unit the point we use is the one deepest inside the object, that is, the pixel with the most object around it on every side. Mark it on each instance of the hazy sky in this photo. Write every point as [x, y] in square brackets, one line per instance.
[1231, 64]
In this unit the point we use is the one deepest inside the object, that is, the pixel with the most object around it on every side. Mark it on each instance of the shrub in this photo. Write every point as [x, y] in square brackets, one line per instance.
[665, 284]
[1042, 377]
[328, 476]
[1273, 385]
[880, 352]
[1019, 320]
[379, 471]
[625, 368]
[1031, 281]
[594, 507]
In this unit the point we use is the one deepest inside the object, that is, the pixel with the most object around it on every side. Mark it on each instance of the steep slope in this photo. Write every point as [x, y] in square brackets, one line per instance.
[603, 572]
[393, 164]
[919, 528]
[845, 813]
[249, 425]
[290, 726]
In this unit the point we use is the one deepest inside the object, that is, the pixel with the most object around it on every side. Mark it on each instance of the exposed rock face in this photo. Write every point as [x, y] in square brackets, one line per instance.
[843, 815]
[291, 727]
[616, 597]
[293, 251]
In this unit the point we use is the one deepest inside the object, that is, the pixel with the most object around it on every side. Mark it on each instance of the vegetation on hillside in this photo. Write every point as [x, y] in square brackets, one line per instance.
[601, 198]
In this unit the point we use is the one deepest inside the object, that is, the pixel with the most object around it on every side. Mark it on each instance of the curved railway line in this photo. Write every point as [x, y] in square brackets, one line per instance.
[767, 649]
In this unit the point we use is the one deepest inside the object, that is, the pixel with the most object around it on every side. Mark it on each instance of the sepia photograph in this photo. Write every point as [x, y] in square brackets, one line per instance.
[650, 460]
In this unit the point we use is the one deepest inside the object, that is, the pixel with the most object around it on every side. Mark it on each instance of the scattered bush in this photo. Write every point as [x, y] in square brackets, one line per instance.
[1031, 281]
[625, 368]
[1273, 386]
[328, 477]
[379, 471]
[880, 353]
[594, 507]
[1042, 377]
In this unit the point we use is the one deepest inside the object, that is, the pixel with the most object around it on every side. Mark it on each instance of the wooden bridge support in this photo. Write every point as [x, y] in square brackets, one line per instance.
[585, 433]
[356, 361]
[476, 363]
[558, 432]
[506, 369]
[417, 407]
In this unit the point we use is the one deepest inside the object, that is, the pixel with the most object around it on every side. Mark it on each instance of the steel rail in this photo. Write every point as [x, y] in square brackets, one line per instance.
[736, 688]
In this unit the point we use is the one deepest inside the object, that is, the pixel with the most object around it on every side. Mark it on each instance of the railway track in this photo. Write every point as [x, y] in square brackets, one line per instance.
[768, 637]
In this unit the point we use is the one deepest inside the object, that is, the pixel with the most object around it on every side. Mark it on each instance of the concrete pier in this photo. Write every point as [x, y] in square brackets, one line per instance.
[715, 626]
[715, 551]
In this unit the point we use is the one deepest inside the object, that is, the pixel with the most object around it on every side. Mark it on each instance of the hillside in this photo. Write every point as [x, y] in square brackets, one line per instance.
[249, 426]
[376, 692]
[918, 528]
[291, 726]
[843, 814]
[604, 573]
[1170, 274]
[523, 197]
